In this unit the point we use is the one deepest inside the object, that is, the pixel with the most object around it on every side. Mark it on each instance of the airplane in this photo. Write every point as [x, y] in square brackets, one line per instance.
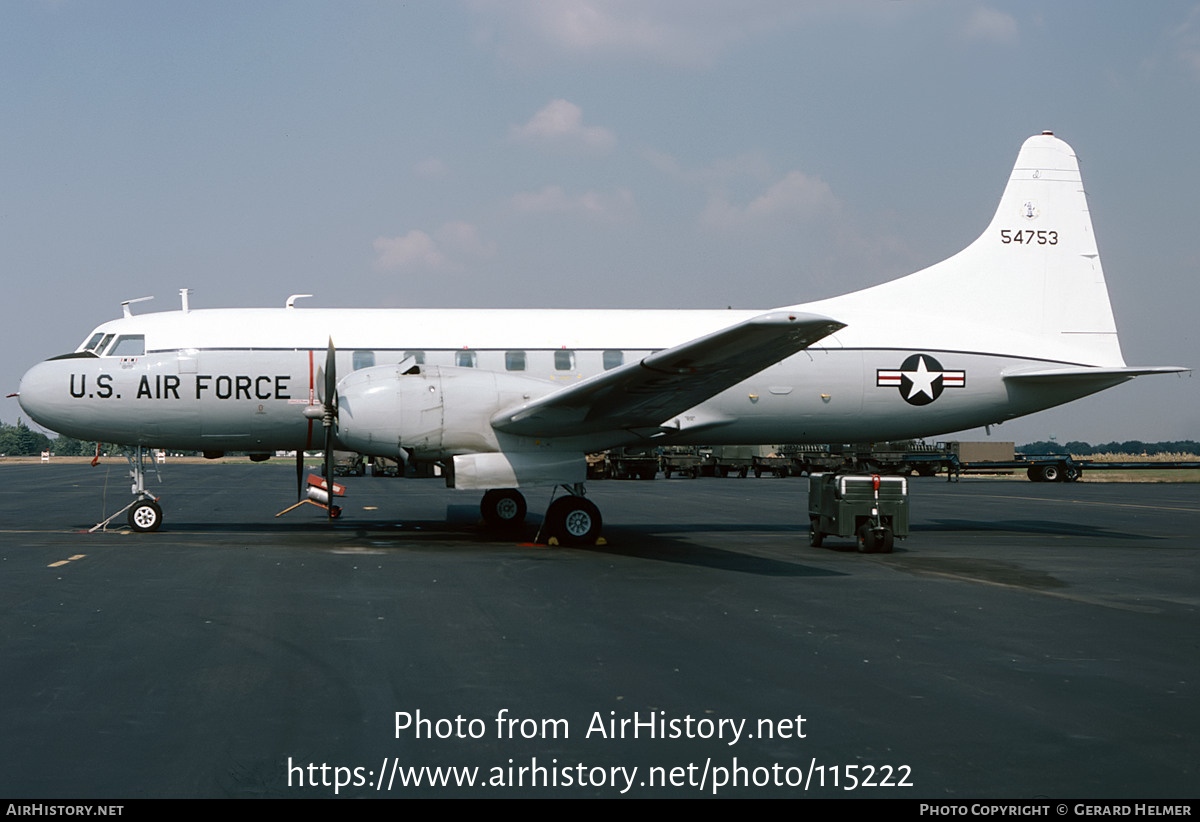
[502, 400]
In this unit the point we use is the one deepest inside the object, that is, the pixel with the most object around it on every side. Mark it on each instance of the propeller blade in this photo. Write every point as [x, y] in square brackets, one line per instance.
[330, 379]
[330, 418]
[299, 473]
[329, 467]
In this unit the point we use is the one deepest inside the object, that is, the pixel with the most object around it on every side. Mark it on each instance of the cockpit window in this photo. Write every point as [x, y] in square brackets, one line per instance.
[129, 345]
[97, 342]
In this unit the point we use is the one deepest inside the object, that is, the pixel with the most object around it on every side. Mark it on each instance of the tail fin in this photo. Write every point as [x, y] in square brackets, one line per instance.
[1034, 273]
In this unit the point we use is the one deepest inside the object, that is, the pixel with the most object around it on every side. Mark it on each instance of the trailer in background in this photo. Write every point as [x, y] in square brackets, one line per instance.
[686, 461]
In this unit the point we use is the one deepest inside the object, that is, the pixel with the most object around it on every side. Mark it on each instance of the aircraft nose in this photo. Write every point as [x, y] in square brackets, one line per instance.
[38, 394]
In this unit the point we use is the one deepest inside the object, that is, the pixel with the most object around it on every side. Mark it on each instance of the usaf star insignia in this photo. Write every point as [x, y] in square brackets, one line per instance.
[920, 378]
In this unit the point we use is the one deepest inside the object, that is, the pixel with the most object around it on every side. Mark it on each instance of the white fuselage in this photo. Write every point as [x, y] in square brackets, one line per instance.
[241, 379]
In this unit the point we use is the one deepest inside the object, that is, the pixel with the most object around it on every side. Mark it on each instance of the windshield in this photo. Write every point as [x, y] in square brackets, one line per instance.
[129, 345]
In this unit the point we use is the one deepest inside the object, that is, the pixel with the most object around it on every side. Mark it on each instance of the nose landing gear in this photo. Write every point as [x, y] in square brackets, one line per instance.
[145, 514]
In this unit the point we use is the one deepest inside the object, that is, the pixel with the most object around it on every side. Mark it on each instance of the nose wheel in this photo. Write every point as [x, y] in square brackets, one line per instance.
[145, 515]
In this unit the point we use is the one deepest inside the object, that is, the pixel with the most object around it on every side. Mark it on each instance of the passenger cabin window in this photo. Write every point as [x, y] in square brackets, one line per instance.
[418, 356]
[564, 360]
[613, 358]
[514, 360]
[464, 358]
[363, 359]
[129, 345]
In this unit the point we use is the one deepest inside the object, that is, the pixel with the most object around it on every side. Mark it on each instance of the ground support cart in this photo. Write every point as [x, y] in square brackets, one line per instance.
[870, 508]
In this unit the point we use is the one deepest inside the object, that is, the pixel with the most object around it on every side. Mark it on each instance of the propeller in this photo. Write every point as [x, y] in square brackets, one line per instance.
[330, 418]
[300, 473]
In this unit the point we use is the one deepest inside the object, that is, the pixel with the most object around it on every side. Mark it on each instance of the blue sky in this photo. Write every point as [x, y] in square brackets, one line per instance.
[579, 153]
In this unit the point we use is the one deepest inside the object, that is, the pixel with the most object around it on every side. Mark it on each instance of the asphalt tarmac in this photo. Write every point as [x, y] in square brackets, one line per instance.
[1027, 640]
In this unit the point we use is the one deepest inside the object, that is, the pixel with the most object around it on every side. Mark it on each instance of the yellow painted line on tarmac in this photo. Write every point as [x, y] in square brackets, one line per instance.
[1106, 504]
[1090, 600]
[62, 562]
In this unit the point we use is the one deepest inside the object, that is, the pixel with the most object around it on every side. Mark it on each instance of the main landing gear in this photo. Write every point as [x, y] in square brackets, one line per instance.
[503, 508]
[571, 520]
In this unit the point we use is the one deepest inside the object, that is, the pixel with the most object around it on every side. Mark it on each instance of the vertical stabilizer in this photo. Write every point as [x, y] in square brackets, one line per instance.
[1034, 273]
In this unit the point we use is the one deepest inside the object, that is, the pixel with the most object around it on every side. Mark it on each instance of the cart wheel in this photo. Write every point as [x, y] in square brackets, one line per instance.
[815, 537]
[889, 540]
[757, 472]
[1071, 473]
[1050, 473]
[868, 543]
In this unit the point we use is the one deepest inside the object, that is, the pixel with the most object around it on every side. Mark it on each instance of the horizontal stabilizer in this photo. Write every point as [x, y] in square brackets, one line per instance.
[1084, 374]
[643, 394]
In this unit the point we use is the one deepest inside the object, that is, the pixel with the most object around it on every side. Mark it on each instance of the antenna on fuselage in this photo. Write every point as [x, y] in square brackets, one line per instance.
[125, 305]
[183, 299]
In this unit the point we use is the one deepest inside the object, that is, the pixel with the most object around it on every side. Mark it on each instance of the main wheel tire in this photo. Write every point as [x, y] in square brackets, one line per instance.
[145, 515]
[503, 507]
[573, 520]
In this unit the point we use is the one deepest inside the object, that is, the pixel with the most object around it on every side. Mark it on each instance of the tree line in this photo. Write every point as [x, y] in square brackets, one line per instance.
[1127, 447]
[20, 441]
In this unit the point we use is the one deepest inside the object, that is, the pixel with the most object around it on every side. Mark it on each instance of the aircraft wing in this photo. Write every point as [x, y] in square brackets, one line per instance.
[646, 393]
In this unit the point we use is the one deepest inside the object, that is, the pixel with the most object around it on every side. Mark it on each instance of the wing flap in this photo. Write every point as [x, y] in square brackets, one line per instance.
[645, 393]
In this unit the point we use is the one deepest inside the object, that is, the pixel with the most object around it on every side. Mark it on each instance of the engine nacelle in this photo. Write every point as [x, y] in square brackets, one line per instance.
[429, 412]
